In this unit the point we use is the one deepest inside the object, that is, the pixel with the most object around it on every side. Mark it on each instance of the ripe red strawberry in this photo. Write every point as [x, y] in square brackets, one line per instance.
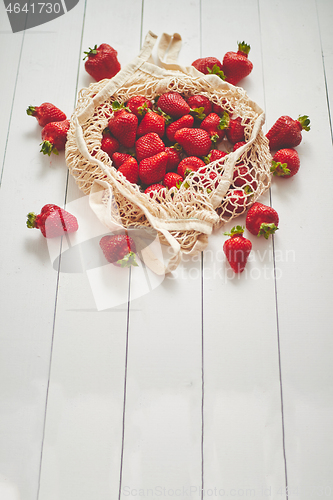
[119, 158]
[238, 145]
[109, 144]
[216, 126]
[219, 110]
[286, 132]
[236, 65]
[208, 181]
[52, 221]
[189, 164]
[174, 158]
[139, 104]
[171, 179]
[194, 141]
[119, 249]
[186, 121]
[173, 104]
[54, 137]
[200, 105]
[209, 65]
[123, 125]
[237, 249]
[130, 169]
[101, 62]
[237, 199]
[152, 170]
[215, 154]
[285, 163]
[148, 145]
[46, 113]
[154, 188]
[262, 220]
[243, 178]
[151, 122]
[235, 130]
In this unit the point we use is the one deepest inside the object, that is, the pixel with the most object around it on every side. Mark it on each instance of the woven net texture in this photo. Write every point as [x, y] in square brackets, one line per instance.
[195, 199]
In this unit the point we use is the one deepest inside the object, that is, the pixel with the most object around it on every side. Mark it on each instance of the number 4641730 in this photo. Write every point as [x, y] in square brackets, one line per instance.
[47, 8]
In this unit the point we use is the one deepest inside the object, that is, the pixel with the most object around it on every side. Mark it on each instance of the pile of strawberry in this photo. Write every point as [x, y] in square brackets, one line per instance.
[157, 143]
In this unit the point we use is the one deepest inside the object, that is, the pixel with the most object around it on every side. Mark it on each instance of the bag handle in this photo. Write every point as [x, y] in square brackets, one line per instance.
[167, 52]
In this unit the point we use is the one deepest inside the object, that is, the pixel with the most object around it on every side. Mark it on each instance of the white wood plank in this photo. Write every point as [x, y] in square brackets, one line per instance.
[304, 204]
[243, 443]
[28, 281]
[83, 435]
[162, 442]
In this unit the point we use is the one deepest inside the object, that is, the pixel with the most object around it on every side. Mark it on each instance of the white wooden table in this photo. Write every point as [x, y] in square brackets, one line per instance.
[210, 385]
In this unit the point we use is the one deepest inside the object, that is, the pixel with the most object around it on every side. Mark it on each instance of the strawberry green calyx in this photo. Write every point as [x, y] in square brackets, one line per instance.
[166, 117]
[199, 113]
[128, 260]
[31, 110]
[244, 48]
[117, 106]
[31, 220]
[224, 122]
[305, 122]
[267, 229]
[48, 148]
[235, 231]
[279, 169]
[216, 70]
[90, 52]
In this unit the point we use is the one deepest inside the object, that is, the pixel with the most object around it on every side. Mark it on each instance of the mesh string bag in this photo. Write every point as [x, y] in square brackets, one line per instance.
[210, 197]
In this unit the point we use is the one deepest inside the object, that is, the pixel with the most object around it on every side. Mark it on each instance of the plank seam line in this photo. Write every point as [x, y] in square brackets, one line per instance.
[275, 284]
[202, 377]
[125, 385]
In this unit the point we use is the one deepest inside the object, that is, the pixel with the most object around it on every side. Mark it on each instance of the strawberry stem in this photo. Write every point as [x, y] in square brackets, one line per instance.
[305, 122]
[31, 110]
[235, 231]
[224, 122]
[31, 220]
[279, 169]
[48, 148]
[90, 52]
[128, 260]
[267, 229]
[244, 48]
[198, 113]
[216, 70]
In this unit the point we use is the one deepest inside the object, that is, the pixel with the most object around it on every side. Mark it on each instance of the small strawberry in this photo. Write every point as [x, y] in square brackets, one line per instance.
[262, 220]
[109, 144]
[209, 65]
[54, 137]
[46, 113]
[216, 126]
[148, 145]
[151, 122]
[189, 164]
[173, 104]
[154, 188]
[235, 130]
[52, 221]
[194, 141]
[174, 158]
[237, 249]
[123, 126]
[171, 179]
[119, 249]
[285, 163]
[101, 62]
[238, 145]
[200, 105]
[152, 169]
[215, 154]
[286, 132]
[119, 158]
[139, 104]
[237, 199]
[130, 169]
[186, 121]
[236, 65]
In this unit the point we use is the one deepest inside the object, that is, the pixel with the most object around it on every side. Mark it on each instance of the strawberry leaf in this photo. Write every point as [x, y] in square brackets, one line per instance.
[216, 70]
[279, 169]
[244, 47]
[267, 229]
[305, 122]
[128, 260]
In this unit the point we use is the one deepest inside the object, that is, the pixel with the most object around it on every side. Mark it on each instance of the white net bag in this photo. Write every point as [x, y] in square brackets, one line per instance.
[211, 196]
